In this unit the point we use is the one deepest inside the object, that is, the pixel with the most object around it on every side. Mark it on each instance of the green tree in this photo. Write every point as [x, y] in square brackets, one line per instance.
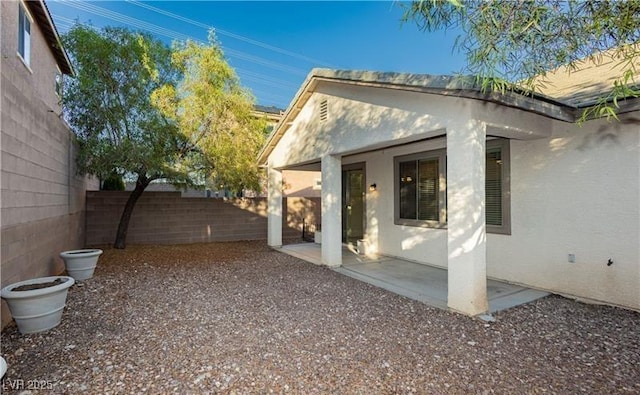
[113, 183]
[511, 45]
[108, 104]
[214, 112]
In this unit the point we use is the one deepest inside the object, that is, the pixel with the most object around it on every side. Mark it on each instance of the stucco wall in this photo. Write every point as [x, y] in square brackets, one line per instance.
[300, 183]
[42, 200]
[40, 74]
[575, 189]
[168, 218]
[361, 118]
[350, 125]
[575, 193]
[427, 245]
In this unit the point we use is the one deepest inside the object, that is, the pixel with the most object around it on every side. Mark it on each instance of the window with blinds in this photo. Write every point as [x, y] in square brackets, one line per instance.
[408, 197]
[493, 187]
[421, 188]
[497, 187]
[428, 190]
[420, 197]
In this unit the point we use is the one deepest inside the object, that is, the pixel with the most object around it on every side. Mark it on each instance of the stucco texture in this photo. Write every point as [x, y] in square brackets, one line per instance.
[575, 189]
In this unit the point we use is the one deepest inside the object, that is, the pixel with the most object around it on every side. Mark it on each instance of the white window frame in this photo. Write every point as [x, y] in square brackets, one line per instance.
[440, 154]
[24, 37]
[58, 83]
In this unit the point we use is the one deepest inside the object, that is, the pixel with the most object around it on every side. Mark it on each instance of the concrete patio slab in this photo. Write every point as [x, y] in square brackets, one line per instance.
[417, 281]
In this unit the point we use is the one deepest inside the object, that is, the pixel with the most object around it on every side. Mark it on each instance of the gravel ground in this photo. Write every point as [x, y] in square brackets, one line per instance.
[241, 318]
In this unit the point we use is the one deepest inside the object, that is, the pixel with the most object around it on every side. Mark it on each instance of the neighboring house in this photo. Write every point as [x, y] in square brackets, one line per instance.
[430, 169]
[578, 84]
[271, 114]
[296, 183]
[43, 201]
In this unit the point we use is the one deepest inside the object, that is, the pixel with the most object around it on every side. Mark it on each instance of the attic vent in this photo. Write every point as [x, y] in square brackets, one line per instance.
[323, 110]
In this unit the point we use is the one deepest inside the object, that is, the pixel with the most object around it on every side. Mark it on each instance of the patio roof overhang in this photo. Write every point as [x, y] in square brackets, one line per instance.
[452, 86]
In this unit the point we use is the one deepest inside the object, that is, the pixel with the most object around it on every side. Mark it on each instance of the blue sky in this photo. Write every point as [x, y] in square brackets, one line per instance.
[274, 45]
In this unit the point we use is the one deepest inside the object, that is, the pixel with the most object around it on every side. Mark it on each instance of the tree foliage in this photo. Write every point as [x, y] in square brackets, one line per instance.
[143, 110]
[113, 183]
[513, 44]
[108, 105]
[214, 112]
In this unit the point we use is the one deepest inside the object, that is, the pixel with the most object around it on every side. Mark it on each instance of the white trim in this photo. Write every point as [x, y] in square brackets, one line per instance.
[57, 74]
[27, 62]
[24, 62]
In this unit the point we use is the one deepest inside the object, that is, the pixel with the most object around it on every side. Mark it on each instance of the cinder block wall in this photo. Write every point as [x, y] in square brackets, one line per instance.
[167, 218]
[42, 200]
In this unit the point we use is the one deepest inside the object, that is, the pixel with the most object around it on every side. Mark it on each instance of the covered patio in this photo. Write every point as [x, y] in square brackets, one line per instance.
[404, 157]
[413, 280]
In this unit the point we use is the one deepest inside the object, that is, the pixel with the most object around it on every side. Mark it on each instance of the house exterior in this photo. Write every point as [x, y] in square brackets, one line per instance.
[295, 183]
[502, 186]
[271, 114]
[42, 199]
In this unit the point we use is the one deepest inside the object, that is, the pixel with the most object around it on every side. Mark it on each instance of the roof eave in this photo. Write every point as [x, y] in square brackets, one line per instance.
[456, 86]
[41, 13]
[291, 112]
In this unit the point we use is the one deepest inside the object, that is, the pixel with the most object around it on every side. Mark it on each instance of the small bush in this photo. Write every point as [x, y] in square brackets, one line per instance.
[113, 183]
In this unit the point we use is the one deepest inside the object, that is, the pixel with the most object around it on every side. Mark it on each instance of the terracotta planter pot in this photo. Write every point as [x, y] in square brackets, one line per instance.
[41, 309]
[81, 263]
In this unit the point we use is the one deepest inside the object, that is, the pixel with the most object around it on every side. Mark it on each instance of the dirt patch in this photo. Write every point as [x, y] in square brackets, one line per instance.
[33, 287]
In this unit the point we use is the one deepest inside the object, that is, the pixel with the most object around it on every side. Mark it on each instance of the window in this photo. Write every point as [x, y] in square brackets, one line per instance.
[493, 187]
[59, 83]
[421, 188]
[497, 187]
[421, 198]
[24, 34]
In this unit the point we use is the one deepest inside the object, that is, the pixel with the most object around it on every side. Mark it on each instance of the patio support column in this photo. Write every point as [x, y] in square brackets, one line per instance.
[467, 256]
[331, 210]
[274, 216]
